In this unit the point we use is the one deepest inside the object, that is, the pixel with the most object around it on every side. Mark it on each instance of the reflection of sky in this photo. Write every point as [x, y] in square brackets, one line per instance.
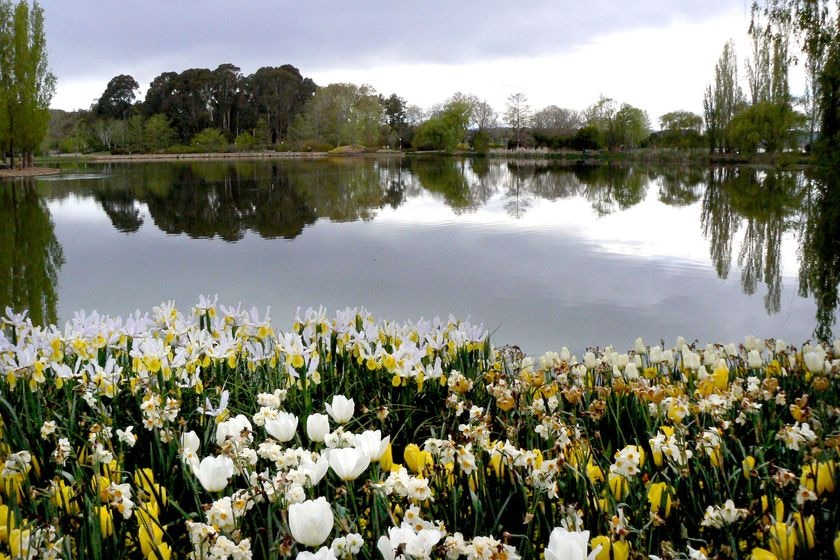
[558, 276]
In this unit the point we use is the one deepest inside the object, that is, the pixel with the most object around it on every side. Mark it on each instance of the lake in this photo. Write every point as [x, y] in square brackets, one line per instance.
[544, 255]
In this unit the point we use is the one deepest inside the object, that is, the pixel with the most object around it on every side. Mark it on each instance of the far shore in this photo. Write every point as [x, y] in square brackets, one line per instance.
[570, 157]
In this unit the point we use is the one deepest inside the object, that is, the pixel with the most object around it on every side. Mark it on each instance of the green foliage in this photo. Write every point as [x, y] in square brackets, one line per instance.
[587, 138]
[341, 114]
[31, 255]
[723, 99]
[157, 134]
[625, 127]
[26, 84]
[210, 140]
[828, 147]
[117, 101]
[632, 126]
[681, 120]
[445, 130]
[245, 142]
[771, 126]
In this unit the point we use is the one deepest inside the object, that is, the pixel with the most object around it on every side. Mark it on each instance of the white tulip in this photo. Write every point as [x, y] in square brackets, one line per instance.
[190, 444]
[236, 428]
[213, 472]
[315, 470]
[815, 360]
[414, 544]
[323, 553]
[341, 410]
[348, 463]
[317, 426]
[753, 359]
[569, 545]
[372, 443]
[311, 521]
[282, 427]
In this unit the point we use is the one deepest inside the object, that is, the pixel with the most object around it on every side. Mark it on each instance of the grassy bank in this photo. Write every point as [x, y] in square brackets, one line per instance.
[209, 433]
[644, 155]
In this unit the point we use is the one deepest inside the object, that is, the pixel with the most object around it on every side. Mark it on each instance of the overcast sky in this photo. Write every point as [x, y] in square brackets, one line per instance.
[657, 55]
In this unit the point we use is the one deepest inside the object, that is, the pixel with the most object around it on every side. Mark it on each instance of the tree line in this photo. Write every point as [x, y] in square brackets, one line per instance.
[278, 108]
[26, 84]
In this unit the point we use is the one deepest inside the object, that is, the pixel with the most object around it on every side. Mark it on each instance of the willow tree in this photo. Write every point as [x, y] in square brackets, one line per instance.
[26, 83]
[815, 26]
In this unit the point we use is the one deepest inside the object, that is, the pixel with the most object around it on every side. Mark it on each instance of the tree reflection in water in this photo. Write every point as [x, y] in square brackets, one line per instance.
[279, 199]
[30, 255]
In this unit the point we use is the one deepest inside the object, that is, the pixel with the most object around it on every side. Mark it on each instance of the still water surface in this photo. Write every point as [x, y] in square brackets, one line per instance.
[543, 255]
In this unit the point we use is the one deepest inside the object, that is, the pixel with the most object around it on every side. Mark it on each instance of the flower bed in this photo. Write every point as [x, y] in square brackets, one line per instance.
[211, 435]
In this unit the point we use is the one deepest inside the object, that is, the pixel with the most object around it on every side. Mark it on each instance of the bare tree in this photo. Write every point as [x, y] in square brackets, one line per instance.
[518, 114]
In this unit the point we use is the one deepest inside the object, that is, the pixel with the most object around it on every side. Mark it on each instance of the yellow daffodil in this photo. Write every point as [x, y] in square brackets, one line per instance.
[19, 543]
[594, 472]
[417, 459]
[621, 550]
[782, 540]
[106, 521]
[657, 500]
[604, 541]
[819, 476]
[747, 466]
[618, 486]
[7, 522]
[805, 528]
[778, 507]
[762, 554]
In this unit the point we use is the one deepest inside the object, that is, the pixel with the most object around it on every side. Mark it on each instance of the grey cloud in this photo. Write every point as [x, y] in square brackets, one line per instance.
[92, 37]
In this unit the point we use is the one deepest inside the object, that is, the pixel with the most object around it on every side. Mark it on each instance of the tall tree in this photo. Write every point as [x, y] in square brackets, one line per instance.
[117, 101]
[341, 114]
[556, 118]
[26, 83]
[447, 128]
[517, 115]
[226, 92]
[279, 94]
[814, 25]
[681, 120]
[723, 99]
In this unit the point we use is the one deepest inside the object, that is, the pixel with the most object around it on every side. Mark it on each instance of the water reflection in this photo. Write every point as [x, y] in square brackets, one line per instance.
[30, 255]
[820, 248]
[744, 212]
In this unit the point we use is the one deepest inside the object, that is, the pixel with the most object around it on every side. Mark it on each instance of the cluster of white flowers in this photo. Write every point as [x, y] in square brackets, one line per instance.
[721, 516]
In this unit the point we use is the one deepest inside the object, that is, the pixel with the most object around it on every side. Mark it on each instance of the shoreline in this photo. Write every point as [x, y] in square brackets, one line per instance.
[29, 172]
